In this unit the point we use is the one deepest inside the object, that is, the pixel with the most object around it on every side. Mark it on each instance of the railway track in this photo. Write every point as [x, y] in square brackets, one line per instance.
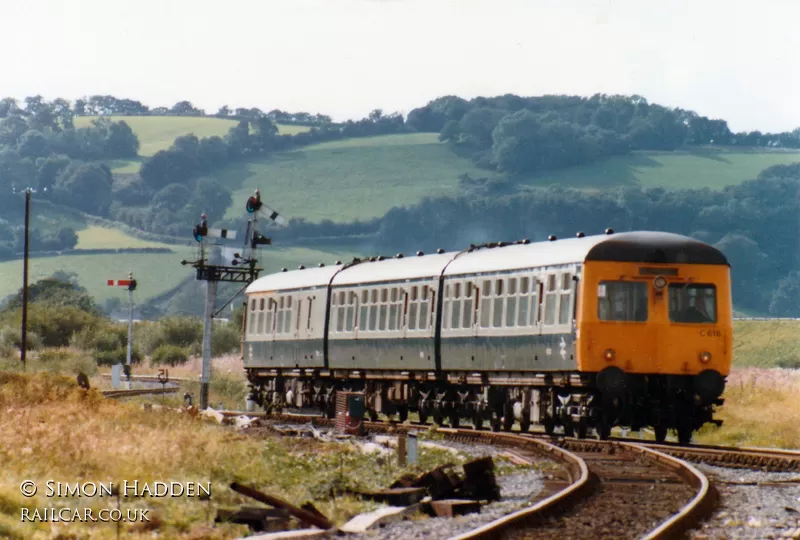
[115, 394]
[610, 489]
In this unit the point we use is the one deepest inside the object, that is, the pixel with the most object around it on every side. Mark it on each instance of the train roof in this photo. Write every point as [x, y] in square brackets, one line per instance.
[642, 246]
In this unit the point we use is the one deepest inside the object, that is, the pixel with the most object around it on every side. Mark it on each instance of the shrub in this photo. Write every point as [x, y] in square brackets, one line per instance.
[791, 362]
[55, 325]
[11, 338]
[184, 332]
[117, 356]
[225, 339]
[170, 355]
[65, 360]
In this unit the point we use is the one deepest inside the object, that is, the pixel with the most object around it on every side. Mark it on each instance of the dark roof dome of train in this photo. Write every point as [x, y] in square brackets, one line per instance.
[655, 247]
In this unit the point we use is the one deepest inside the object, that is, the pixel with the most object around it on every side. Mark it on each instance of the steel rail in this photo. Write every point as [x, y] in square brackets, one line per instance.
[138, 392]
[693, 512]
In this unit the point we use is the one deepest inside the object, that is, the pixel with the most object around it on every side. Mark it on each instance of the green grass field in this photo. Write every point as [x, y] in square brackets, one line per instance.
[155, 272]
[714, 168]
[766, 343]
[104, 238]
[158, 132]
[350, 179]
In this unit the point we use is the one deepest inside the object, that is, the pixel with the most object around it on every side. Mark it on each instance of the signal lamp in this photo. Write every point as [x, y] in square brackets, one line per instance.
[199, 232]
[705, 357]
[259, 239]
[609, 355]
[660, 282]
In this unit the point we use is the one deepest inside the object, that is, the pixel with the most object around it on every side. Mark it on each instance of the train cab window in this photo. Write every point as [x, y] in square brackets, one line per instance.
[622, 301]
[692, 303]
[270, 315]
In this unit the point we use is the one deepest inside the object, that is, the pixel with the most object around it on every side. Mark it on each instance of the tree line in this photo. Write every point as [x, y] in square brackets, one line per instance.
[520, 135]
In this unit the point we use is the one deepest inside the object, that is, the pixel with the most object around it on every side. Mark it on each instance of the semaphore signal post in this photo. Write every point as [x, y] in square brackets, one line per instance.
[130, 283]
[242, 269]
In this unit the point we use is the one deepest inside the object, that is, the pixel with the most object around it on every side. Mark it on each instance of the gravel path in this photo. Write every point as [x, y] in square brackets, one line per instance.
[748, 510]
[515, 489]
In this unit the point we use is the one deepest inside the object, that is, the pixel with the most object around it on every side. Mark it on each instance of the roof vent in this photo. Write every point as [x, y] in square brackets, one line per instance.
[283, 269]
[399, 256]
[609, 231]
[580, 234]
[301, 267]
[338, 263]
[372, 259]
[380, 257]
[440, 251]
[501, 244]
[472, 246]
[526, 241]
[321, 265]
[420, 254]
[552, 237]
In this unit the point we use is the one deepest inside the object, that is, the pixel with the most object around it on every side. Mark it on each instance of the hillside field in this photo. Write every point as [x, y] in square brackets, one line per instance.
[363, 178]
[156, 273]
[159, 132]
[766, 343]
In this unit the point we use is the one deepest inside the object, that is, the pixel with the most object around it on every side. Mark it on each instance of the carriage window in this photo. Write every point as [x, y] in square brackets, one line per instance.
[565, 307]
[692, 303]
[622, 301]
[253, 304]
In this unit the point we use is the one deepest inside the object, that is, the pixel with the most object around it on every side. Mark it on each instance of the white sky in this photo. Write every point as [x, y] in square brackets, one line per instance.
[727, 59]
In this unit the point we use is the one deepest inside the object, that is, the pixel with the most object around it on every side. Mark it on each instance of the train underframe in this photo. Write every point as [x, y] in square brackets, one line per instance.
[576, 404]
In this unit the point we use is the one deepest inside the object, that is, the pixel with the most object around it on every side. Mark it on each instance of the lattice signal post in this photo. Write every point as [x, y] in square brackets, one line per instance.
[242, 269]
[130, 283]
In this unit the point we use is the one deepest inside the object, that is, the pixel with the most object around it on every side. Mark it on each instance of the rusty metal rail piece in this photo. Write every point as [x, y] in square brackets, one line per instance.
[580, 486]
[699, 508]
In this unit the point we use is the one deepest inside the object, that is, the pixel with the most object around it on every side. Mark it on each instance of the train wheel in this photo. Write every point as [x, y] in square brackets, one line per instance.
[423, 415]
[582, 428]
[549, 427]
[438, 417]
[373, 415]
[455, 419]
[661, 433]
[402, 413]
[495, 422]
[525, 422]
[508, 416]
[603, 430]
[684, 434]
[477, 419]
[569, 429]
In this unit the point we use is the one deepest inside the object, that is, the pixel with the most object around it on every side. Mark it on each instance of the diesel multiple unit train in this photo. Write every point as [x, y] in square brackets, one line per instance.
[631, 329]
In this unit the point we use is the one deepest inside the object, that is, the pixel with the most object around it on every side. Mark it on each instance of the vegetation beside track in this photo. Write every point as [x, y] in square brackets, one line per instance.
[51, 429]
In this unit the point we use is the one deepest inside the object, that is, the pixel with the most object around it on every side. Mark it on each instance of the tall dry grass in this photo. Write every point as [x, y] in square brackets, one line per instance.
[761, 409]
[50, 429]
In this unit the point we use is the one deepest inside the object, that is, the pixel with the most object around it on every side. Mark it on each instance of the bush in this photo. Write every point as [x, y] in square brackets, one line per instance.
[182, 332]
[789, 362]
[169, 355]
[65, 360]
[105, 337]
[11, 338]
[117, 356]
[55, 325]
[225, 339]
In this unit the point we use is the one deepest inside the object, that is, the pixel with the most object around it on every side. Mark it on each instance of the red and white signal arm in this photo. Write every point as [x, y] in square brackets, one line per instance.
[129, 283]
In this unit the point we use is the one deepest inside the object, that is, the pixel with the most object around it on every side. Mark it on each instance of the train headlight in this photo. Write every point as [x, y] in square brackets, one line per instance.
[609, 355]
[660, 282]
[705, 357]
